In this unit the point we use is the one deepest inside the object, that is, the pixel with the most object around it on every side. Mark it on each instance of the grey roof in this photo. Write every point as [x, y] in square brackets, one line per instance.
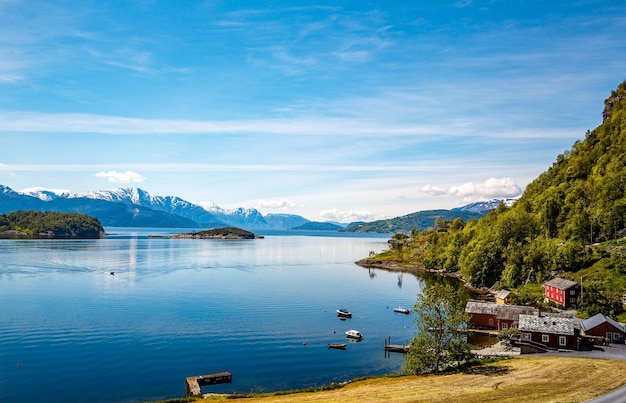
[599, 319]
[502, 294]
[561, 283]
[501, 311]
[546, 324]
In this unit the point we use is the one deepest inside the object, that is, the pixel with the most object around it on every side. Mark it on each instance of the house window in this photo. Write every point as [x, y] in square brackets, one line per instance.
[562, 341]
[572, 292]
[505, 326]
[608, 335]
[615, 336]
[490, 322]
[545, 338]
[572, 300]
[526, 336]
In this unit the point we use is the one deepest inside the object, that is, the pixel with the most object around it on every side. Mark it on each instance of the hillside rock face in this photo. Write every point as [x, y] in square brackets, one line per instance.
[610, 103]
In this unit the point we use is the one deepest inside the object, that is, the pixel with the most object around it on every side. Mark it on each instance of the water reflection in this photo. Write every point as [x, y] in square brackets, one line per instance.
[371, 272]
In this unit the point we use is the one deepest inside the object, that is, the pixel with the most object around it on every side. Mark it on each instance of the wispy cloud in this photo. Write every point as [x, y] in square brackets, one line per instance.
[205, 167]
[276, 204]
[320, 126]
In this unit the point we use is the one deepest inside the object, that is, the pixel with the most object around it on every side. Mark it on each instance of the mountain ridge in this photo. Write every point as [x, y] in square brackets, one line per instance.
[138, 207]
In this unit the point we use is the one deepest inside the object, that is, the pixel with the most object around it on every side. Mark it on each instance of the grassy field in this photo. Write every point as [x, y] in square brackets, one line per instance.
[534, 379]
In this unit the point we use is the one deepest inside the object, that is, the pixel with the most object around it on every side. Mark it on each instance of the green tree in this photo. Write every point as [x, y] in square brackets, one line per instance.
[602, 298]
[439, 344]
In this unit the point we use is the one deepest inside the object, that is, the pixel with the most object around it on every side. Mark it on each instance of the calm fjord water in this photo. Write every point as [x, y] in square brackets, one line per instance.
[262, 309]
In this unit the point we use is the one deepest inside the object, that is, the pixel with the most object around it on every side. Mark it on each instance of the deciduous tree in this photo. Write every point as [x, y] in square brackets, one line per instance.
[439, 344]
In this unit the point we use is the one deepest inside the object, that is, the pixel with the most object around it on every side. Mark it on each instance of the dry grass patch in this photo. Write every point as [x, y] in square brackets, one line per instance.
[535, 379]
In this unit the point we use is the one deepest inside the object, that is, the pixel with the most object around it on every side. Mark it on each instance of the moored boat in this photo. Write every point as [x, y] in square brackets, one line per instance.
[354, 334]
[338, 346]
[344, 313]
[400, 309]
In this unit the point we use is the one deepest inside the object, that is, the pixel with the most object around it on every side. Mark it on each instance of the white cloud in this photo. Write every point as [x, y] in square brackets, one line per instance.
[347, 216]
[121, 177]
[277, 204]
[491, 188]
[434, 190]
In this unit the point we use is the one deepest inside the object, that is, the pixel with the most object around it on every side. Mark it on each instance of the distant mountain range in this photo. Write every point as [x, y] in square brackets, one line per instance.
[134, 207]
[425, 219]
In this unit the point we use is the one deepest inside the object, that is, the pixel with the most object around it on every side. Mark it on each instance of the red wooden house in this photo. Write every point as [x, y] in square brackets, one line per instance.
[602, 326]
[494, 316]
[562, 292]
[552, 331]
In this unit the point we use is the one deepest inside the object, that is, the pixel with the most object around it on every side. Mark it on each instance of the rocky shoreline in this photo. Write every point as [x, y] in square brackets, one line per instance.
[397, 267]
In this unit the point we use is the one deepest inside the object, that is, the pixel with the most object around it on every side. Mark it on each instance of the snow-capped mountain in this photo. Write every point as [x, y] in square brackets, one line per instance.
[45, 194]
[6, 190]
[203, 214]
[484, 206]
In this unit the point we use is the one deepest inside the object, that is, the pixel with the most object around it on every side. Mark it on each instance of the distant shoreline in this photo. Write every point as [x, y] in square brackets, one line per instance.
[17, 234]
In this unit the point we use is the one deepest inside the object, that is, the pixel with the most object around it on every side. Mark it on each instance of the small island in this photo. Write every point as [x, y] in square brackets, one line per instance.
[216, 233]
[49, 225]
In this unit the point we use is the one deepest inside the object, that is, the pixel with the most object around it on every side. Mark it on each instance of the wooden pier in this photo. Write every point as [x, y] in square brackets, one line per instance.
[193, 383]
[395, 348]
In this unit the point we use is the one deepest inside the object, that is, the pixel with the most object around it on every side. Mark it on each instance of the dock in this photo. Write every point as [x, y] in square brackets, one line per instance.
[193, 384]
[395, 348]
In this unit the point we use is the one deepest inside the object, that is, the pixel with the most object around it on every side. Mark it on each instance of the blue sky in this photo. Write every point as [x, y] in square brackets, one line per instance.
[342, 110]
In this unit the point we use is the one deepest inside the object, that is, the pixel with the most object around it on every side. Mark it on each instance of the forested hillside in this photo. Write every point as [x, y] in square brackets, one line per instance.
[570, 221]
[420, 220]
[36, 224]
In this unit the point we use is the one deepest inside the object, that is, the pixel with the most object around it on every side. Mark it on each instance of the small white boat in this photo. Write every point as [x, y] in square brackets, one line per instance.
[354, 334]
[400, 309]
[344, 313]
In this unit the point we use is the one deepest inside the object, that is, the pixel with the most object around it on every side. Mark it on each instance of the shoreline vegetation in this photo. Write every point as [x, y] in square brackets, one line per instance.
[30, 224]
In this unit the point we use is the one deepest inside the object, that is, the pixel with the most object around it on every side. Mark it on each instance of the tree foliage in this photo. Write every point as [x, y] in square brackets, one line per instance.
[439, 344]
[51, 224]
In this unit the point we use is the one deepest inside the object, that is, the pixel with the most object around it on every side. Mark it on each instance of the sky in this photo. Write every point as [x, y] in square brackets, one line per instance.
[333, 110]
